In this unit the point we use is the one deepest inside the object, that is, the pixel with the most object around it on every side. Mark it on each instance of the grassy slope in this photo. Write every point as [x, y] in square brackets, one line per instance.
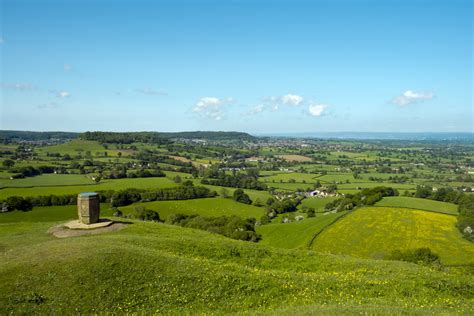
[155, 268]
[295, 234]
[317, 203]
[420, 204]
[205, 207]
[47, 180]
[373, 232]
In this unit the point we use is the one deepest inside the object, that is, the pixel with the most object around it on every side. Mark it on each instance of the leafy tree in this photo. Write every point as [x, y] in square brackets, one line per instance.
[224, 193]
[177, 179]
[19, 203]
[8, 163]
[241, 197]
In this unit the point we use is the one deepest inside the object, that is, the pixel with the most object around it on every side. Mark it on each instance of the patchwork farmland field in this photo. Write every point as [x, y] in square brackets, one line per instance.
[420, 204]
[295, 158]
[302, 266]
[373, 232]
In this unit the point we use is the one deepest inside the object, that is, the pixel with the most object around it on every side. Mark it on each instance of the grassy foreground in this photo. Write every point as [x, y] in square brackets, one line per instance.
[156, 268]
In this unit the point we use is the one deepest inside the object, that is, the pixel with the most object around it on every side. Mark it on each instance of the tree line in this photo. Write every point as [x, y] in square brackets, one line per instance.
[186, 191]
[363, 198]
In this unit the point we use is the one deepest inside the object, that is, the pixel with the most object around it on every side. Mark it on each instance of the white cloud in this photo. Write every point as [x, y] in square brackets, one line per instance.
[288, 99]
[409, 97]
[291, 99]
[317, 109]
[149, 91]
[63, 94]
[211, 107]
[1, 40]
[67, 67]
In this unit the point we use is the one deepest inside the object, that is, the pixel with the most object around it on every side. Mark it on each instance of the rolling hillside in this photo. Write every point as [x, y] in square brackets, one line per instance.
[155, 268]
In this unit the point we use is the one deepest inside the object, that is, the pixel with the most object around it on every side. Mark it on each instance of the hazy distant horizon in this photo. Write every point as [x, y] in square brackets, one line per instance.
[321, 135]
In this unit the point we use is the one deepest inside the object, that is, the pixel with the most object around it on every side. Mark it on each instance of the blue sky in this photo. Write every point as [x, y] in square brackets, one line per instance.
[255, 66]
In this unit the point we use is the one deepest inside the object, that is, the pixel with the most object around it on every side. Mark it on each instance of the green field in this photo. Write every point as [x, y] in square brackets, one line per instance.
[46, 180]
[295, 234]
[108, 184]
[290, 186]
[211, 207]
[373, 232]
[372, 184]
[285, 177]
[420, 204]
[317, 203]
[336, 177]
[150, 268]
[74, 147]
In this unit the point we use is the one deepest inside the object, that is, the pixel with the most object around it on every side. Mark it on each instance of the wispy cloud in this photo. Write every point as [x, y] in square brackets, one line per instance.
[63, 94]
[211, 107]
[48, 106]
[288, 99]
[409, 97]
[256, 109]
[317, 110]
[1, 40]
[149, 91]
[18, 86]
[67, 67]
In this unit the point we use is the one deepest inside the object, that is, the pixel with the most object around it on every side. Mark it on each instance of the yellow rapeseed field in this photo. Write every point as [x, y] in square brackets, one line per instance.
[374, 232]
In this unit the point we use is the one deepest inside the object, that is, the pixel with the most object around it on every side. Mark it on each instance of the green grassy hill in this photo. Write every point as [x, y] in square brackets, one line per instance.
[155, 268]
[420, 204]
[373, 232]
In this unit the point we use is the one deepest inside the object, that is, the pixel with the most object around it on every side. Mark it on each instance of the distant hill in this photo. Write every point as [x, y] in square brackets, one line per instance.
[159, 137]
[126, 137]
[7, 135]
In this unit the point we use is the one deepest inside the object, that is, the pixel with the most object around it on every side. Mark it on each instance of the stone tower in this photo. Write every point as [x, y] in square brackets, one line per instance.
[88, 207]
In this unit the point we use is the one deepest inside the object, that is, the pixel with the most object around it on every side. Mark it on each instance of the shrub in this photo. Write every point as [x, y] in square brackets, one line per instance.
[230, 226]
[241, 197]
[145, 214]
[419, 256]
